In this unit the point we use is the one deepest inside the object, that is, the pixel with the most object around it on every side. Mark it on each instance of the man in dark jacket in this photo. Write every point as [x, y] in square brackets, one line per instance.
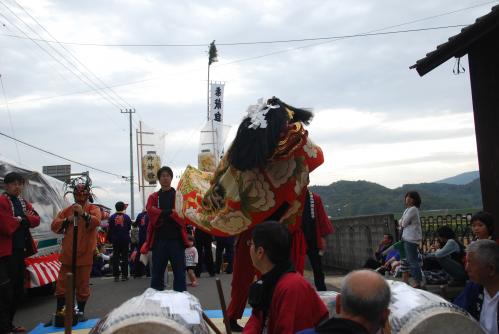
[166, 234]
[119, 235]
[316, 226]
[17, 216]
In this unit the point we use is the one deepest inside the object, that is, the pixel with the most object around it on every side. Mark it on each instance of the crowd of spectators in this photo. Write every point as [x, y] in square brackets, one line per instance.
[278, 295]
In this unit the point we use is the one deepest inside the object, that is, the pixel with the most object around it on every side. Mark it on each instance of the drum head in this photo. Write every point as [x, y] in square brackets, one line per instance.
[145, 325]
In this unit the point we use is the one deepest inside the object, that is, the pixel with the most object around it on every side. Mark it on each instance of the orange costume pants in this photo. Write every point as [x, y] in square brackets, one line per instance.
[244, 272]
[82, 286]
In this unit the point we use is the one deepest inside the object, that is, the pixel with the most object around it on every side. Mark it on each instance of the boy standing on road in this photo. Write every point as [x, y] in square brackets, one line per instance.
[119, 235]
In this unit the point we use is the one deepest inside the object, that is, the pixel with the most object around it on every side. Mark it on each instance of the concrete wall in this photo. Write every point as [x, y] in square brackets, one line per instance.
[355, 239]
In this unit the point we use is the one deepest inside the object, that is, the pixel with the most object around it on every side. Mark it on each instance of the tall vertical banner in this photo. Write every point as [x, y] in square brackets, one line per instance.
[217, 102]
[216, 118]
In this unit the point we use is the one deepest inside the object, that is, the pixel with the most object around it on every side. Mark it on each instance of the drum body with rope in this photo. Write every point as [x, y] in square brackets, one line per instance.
[414, 311]
[155, 312]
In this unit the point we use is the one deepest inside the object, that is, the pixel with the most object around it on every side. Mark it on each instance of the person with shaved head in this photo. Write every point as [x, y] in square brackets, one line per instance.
[362, 305]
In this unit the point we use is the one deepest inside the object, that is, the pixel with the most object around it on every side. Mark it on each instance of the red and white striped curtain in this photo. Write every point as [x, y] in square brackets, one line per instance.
[42, 270]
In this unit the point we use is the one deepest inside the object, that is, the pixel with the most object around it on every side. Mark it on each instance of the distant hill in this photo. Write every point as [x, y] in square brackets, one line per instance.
[351, 198]
[463, 178]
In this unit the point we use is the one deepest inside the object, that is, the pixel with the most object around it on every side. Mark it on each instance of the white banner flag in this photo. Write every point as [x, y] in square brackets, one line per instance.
[217, 102]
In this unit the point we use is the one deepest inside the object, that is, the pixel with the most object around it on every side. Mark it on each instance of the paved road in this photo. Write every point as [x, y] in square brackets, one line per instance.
[38, 307]
[107, 294]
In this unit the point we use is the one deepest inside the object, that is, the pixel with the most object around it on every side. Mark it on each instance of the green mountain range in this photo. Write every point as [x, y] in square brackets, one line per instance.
[353, 198]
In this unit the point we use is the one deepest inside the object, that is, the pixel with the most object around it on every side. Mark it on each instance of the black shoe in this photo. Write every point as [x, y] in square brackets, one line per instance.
[124, 278]
[116, 279]
[81, 317]
[234, 326]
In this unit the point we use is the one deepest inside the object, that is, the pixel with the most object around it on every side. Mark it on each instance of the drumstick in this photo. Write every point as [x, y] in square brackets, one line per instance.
[222, 303]
[211, 324]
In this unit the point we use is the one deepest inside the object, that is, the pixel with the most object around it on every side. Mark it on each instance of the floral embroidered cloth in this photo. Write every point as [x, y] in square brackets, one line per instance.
[231, 201]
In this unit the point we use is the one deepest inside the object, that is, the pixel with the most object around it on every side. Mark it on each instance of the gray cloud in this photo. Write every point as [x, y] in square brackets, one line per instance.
[369, 73]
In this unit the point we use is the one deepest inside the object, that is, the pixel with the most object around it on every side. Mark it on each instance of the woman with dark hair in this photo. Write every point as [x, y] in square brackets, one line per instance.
[450, 256]
[412, 235]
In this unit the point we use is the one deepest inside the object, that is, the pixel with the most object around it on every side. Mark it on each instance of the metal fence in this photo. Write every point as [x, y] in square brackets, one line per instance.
[356, 238]
[459, 223]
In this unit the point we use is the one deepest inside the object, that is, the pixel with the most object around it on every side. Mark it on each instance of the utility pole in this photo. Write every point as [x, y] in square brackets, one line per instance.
[130, 112]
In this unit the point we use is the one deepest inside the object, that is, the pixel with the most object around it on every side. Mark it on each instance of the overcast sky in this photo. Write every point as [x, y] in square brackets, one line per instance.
[375, 119]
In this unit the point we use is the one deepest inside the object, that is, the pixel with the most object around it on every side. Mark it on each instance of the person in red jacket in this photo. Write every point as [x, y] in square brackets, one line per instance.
[316, 226]
[166, 234]
[17, 216]
[283, 301]
[89, 217]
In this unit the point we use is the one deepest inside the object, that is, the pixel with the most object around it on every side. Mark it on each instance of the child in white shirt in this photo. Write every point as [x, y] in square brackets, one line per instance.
[191, 260]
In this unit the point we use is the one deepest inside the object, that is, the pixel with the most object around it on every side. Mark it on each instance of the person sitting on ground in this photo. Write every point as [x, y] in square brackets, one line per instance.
[363, 305]
[402, 265]
[482, 224]
[379, 257]
[450, 256]
[100, 266]
[282, 300]
[480, 297]
[391, 263]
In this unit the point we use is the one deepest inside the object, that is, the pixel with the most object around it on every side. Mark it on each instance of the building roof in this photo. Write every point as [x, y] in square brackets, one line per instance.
[460, 44]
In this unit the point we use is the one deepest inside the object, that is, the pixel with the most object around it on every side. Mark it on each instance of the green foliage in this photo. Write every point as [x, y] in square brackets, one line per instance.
[353, 198]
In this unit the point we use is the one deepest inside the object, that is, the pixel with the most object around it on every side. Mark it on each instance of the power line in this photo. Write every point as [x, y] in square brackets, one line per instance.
[244, 59]
[339, 38]
[105, 112]
[61, 157]
[233, 43]
[10, 116]
[365, 34]
[66, 67]
[72, 55]
[90, 83]
[253, 42]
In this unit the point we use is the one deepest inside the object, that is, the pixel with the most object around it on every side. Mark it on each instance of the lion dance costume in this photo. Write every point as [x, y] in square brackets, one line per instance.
[262, 177]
